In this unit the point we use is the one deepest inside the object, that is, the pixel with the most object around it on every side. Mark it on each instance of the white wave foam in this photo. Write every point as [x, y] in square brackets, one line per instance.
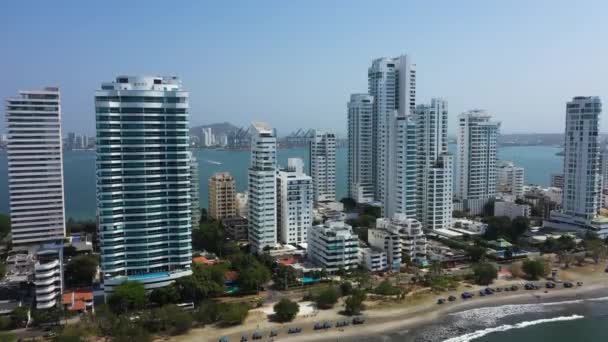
[480, 333]
[601, 299]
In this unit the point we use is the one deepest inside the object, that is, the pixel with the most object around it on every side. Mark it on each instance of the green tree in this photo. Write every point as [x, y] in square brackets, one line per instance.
[374, 211]
[346, 288]
[519, 226]
[326, 298]
[2, 270]
[367, 221]
[252, 273]
[7, 337]
[208, 312]
[596, 250]
[284, 276]
[484, 273]
[349, 204]
[353, 304]
[169, 319]
[70, 334]
[205, 282]
[498, 227]
[533, 268]
[476, 253]
[233, 313]
[386, 288]
[128, 296]
[286, 310]
[19, 317]
[5, 225]
[47, 316]
[165, 295]
[81, 270]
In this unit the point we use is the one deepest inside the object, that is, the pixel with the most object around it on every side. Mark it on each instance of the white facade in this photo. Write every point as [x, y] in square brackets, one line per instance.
[144, 179]
[48, 276]
[510, 179]
[194, 192]
[360, 148]
[242, 204]
[332, 246]
[392, 83]
[470, 226]
[262, 188]
[323, 165]
[434, 166]
[476, 161]
[295, 202]
[511, 209]
[35, 166]
[402, 196]
[373, 260]
[410, 233]
[388, 241]
[208, 138]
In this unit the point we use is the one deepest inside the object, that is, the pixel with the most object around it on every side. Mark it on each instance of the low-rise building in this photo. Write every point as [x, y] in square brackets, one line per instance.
[78, 300]
[236, 228]
[373, 259]
[48, 275]
[403, 231]
[557, 180]
[469, 227]
[511, 209]
[333, 245]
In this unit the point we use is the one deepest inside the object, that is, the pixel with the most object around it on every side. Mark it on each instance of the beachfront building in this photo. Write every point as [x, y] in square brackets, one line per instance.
[511, 209]
[294, 202]
[262, 188]
[333, 246]
[322, 153]
[388, 241]
[222, 196]
[476, 161]
[582, 195]
[360, 148]
[434, 169]
[35, 166]
[410, 233]
[510, 179]
[402, 197]
[392, 84]
[48, 275]
[143, 180]
[373, 259]
[194, 192]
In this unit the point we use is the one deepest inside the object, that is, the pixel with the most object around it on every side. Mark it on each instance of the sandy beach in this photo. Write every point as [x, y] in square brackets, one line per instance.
[389, 316]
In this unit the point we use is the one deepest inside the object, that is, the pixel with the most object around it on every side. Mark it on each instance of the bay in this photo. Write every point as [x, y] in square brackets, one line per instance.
[79, 172]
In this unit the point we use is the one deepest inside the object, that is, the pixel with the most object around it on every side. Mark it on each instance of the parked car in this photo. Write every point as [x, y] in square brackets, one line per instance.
[223, 339]
[488, 291]
[358, 320]
[466, 295]
[318, 326]
[568, 284]
[327, 325]
[273, 333]
[294, 330]
[244, 339]
[514, 288]
[451, 298]
[257, 335]
[550, 285]
[440, 301]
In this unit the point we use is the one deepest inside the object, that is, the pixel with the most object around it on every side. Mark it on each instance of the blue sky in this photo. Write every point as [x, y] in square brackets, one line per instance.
[294, 63]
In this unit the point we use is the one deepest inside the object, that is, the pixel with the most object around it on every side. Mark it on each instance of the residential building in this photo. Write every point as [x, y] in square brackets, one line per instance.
[294, 202]
[402, 197]
[242, 204]
[322, 150]
[511, 209]
[48, 275]
[392, 83]
[582, 195]
[360, 148]
[333, 246]
[557, 180]
[222, 192]
[143, 181]
[389, 242]
[476, 161]
[434, 178]
[194, 192]
[373, 260]
[262, 187]
[409, 231]
[79, 300]
[236, 228]
[469, 227]
[207, 137]
[35, 166]
[510, 179]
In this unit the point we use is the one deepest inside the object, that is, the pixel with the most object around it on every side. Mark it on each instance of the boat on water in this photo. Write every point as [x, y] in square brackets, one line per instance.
[213, 162]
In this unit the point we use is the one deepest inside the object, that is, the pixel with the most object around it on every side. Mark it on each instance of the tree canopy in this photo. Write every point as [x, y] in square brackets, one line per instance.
[81, 270]
[484, 273]
[353, 304]
[326, 298]
[533, 268]
[128, 296]
[286, 310]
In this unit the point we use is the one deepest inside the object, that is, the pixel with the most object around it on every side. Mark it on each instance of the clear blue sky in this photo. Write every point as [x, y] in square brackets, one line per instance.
[294, 63]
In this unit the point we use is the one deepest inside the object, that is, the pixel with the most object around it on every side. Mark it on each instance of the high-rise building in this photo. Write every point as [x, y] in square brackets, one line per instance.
[143, 180]
[434, 166]
[360, 148]
[262, 188]
[194, 191]
[557, 180]
[294, 202]
[222, 196]
[322, 151]
[510, 179]
[402, 197]
[35, 166]
[392, 83]
[476, 161]
[582, 192]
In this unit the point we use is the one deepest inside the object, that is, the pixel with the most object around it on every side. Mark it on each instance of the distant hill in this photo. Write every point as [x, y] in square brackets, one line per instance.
[218, 128]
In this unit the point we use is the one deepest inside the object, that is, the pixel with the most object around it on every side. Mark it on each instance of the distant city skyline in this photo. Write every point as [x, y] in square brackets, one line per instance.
[295, 64]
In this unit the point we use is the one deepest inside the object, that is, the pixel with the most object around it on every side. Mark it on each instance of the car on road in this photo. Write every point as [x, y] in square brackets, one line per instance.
[550, 285]
[244, 339]
[466, 295]
[568, 284]
[294, 330]
[256, 335]
[441, 301]
[223, 339]
[318, 326]
[488, 291]
[451, 298]
[358, 320]
[327, 325]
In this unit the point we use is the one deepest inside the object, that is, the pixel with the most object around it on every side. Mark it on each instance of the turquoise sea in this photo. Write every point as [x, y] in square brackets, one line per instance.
[79, 172]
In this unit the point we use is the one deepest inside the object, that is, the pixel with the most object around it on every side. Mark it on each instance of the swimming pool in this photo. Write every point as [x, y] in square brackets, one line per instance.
[149, 276]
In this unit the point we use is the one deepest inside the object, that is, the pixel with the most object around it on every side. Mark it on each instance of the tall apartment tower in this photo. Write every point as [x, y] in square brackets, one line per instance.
[143, 180]
[510, 179]
[222, 196]
[35, 166]
[582, 165]
[434, 165]
[476, 162]
[322, 152]
[402, 197]
[295, 198]
[392, 83]
[194, 192]
[262, 187]
[360, 148]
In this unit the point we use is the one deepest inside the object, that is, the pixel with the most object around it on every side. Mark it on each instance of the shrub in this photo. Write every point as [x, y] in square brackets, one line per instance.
[534, 268]
[286, 310]
[234, 313]
[353, 304]
[385, 288]
[484, 273]
[327, 298]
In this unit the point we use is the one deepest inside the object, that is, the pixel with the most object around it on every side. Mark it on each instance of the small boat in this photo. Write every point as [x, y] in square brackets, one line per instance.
[213, 162]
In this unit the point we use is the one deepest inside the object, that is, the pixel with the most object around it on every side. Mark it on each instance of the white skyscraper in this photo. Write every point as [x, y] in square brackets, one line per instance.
[402, 197]
[322, 151]
[510, 179]
[476, 161]
[434, 165]
[392, 83]
[360, 148]
[35, 166]
[295, 201]
[262, 187]
[582, 168]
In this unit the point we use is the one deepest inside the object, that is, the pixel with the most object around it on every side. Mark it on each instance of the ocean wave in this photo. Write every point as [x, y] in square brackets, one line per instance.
[601, 299]
[483, 332]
